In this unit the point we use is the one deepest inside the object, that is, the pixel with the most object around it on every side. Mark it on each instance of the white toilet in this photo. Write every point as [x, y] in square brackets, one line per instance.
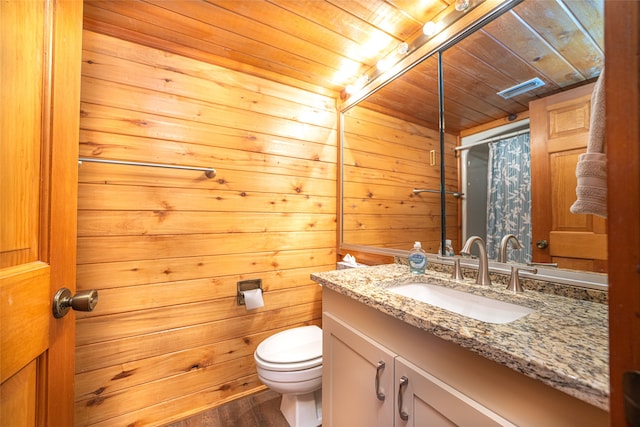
[290, 363]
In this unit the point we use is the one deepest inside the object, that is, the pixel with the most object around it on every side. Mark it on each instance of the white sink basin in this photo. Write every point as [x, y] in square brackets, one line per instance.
[463, 303]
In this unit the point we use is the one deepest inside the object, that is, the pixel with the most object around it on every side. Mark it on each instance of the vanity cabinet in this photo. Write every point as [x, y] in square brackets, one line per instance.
[368, 354]
[366, 384]
[357, 378]
[425, 400]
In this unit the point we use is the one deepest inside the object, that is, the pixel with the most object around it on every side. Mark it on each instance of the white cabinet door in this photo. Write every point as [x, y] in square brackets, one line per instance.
[424, 400]
[357, 379]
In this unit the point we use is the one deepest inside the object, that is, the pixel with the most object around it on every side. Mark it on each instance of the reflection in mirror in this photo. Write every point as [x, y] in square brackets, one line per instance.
[503, 165]
[386, 155]
[529, 42]
[560, 42]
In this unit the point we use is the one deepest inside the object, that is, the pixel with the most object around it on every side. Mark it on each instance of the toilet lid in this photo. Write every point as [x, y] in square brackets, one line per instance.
[292, 346]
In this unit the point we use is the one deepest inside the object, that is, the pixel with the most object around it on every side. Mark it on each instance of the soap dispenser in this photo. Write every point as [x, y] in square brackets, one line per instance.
[417, 259]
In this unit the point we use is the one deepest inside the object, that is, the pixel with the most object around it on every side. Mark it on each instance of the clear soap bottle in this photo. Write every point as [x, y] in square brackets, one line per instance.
[417, 259]
[448, 249]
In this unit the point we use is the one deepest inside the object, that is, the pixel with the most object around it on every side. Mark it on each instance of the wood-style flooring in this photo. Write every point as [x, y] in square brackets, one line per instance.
[257, 410]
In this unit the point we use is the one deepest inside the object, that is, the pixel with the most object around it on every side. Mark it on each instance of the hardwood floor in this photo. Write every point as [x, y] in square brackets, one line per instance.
[257, 410]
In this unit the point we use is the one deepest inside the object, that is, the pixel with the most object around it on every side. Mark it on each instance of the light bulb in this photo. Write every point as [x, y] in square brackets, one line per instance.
[462, 5]
[383, 64]
[429, 28]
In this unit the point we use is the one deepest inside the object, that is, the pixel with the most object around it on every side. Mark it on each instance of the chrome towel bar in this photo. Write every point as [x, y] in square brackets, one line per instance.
[209, 172]
[422, 190]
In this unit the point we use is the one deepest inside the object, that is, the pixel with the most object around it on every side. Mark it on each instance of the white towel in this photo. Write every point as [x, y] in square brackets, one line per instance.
[591, 169]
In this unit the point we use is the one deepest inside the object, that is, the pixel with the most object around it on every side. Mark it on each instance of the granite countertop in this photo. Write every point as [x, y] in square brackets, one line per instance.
[563, 344]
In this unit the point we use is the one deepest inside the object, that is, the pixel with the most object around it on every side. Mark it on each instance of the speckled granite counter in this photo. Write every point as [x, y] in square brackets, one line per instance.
[563, 344]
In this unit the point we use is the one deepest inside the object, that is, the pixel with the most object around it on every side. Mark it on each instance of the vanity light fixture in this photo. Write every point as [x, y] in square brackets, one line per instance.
[430, 29]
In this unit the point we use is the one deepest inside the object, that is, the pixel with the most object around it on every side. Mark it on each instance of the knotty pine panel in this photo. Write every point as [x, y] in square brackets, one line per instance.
[152, 126]
[269, 150]
[135, 273]
[185, 404]
[97, 223]
[390, 203]
[107, 405]
[120, 48]
[132, 323]
[202, 114]
[385, 222]
[390, 178]
[123, 197]
[125, 299]
[125, 350]
[203, 109]
[385, 158]
[115, 378]
[125, 248]
[165, 248]
[226, 179]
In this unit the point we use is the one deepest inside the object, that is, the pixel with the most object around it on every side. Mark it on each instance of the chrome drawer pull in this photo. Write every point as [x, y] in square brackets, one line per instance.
[380, 395]
[404, 382]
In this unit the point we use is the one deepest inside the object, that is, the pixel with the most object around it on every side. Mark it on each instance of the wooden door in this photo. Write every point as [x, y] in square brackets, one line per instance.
[622, 83]
[559, 134]
[40, 82]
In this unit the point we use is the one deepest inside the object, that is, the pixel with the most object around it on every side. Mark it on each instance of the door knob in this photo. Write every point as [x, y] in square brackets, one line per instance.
[542, 244]
[81, 301]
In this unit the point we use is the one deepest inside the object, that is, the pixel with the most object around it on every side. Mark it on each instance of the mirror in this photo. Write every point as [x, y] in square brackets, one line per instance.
[389, 137]
[386, 155]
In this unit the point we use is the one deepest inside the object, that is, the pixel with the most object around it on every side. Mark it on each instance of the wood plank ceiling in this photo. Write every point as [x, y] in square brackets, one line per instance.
[318, 45]
[560, 42]
[324, 45]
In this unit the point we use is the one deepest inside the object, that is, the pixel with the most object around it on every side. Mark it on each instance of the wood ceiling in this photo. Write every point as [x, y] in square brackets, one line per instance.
[560, 42]
[306, 43]
[322, 45]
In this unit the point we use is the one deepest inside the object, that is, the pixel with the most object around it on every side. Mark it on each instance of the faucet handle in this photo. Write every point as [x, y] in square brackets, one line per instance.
[514, 282]
[456, 272]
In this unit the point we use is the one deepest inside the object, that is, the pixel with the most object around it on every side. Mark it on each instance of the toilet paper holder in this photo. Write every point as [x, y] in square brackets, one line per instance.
[247, 285]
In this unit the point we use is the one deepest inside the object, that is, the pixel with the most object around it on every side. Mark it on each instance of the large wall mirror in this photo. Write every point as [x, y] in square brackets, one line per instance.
[392, 163]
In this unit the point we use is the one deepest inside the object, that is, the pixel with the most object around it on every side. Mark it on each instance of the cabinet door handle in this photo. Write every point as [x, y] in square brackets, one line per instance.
[404, 382]
[380, 395]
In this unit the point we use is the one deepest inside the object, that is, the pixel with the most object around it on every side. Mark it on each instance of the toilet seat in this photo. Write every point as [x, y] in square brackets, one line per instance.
[291, 350]
[290, 363]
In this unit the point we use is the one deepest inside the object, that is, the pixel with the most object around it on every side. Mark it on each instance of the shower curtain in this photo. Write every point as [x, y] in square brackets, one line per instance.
[509, 196]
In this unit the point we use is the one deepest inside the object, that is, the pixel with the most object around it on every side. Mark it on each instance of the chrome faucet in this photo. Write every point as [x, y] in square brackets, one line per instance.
[502, 255]
[483, 278]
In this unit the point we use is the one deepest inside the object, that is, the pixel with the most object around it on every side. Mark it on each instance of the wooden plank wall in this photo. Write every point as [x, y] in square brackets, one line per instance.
[165, 248]
[385, 158]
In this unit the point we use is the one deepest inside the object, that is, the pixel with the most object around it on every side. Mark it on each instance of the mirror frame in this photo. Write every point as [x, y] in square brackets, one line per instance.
[475, 19]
